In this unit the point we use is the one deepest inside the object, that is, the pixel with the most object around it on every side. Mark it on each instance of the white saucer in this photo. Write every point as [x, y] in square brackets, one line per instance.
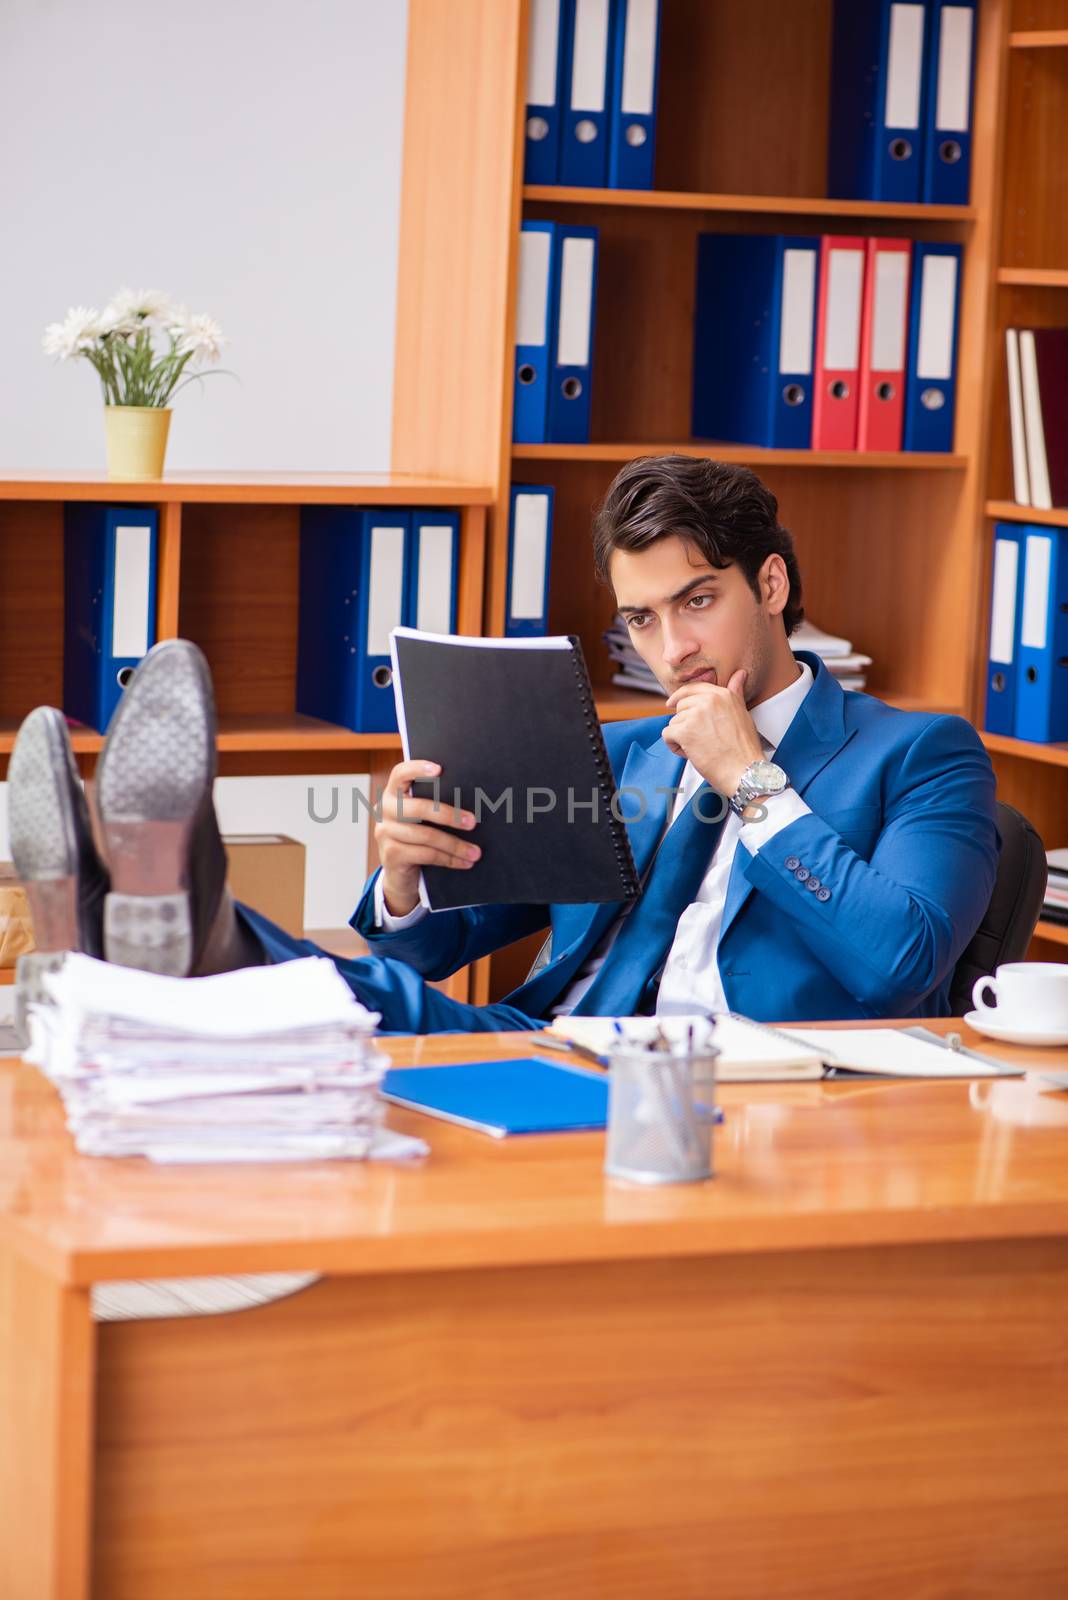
[997, 1030]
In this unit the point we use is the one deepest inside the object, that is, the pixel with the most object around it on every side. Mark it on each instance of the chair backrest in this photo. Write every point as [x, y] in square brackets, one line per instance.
[1019, 888]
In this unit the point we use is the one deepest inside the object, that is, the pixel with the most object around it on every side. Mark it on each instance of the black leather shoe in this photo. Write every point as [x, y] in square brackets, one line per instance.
[168, 910]
[52, 848]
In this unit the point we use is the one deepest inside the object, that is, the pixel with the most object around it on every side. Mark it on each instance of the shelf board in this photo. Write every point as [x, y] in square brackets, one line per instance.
[1056, 932]
[1054, 755]
[747, 454]
[616, 704]
[1039, 39]
[758, 204]
[1034, 277]
[247, 735]
[296, 733]
[1009, 511]
[250, 488]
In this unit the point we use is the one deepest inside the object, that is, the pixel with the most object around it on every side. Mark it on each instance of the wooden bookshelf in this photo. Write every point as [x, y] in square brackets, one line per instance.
[1033, 277]
[1054, 932]
[1039, 39]
[1009, 511]
[894, 550]
[1053, 755]
[754, 456]
[248, 488]
[1029, 272]
[751, 204]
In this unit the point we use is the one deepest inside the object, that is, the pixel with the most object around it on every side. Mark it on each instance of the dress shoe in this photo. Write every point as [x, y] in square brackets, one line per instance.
[168, 909]
[53, 850]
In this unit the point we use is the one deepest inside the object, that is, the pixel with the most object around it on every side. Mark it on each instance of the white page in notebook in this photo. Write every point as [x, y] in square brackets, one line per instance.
[892, 1053]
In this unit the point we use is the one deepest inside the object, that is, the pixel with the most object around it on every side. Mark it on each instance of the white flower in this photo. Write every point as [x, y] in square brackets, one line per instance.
[132, 309]
[199, 336]
[77, 333]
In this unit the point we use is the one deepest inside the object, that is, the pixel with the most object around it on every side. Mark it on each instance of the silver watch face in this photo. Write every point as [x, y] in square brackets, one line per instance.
[767, 777]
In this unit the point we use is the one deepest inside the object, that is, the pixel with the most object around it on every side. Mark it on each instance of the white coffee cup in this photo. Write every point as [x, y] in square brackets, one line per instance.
[1031, 996]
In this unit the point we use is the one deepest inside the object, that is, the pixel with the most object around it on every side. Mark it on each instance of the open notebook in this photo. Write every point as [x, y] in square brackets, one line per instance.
[751, 1052]
[748, 1050]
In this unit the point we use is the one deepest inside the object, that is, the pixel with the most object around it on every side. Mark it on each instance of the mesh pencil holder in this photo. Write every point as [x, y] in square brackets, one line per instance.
[660, 1115]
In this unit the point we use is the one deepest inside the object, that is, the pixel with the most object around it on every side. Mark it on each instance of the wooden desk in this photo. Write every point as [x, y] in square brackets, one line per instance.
[839, 1370]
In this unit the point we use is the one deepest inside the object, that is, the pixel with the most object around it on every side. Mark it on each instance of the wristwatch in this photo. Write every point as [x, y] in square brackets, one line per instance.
[759, 780]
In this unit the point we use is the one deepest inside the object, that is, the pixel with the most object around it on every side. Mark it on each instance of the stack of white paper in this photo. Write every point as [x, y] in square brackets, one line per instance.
[837, 655]
[265, 1064]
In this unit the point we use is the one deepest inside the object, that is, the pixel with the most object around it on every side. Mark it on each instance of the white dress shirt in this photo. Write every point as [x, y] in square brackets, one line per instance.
[691, 980]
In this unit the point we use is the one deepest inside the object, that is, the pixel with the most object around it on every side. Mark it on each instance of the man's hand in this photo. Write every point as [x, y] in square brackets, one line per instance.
[712, 728]
[407, 842]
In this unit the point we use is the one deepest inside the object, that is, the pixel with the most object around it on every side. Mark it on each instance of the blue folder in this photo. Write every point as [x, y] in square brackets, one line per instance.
[1006, 599]
[530, 534]
[542, 150]
[109, 605]
[571, 369]
[633, 93]
[877, 92]
[433, 571]
[504, 1097]
[754, 338]
[934, 318]
[354, 582]
[1042, 673]
[947, 144]
[534, 319]
[587, 52]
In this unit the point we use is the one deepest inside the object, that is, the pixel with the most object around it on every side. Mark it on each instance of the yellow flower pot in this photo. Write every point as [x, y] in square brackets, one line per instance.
[136, 440]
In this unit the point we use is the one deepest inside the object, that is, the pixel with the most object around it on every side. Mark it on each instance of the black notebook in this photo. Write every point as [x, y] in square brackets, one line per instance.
[513, 725]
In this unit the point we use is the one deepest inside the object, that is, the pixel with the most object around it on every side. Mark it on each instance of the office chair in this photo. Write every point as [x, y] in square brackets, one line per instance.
[1005, 931]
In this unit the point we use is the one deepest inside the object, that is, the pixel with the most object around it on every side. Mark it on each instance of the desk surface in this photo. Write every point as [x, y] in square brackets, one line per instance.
[798, 1166]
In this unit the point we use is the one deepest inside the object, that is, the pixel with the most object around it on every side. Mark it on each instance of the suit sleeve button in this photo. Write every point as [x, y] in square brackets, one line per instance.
[813, 884]
[801, 874]
[823, 894]
[792, 862]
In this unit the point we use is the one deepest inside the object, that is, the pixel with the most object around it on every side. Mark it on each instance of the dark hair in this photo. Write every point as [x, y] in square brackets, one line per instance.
[724, 510]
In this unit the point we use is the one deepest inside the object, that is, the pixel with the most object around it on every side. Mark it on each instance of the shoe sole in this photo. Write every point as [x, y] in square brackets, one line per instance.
[43, 829]
[158, 759]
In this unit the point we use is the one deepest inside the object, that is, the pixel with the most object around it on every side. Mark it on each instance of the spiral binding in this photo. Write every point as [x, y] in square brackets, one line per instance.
[605, 780]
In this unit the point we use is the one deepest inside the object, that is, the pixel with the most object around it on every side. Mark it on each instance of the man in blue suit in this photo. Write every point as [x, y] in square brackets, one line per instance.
[805, 852]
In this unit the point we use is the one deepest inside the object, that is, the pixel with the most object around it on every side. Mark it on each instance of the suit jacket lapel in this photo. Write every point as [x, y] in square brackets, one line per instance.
[813, 738]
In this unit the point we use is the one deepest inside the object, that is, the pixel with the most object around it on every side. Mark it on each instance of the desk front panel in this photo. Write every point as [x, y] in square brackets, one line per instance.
[833, 1424]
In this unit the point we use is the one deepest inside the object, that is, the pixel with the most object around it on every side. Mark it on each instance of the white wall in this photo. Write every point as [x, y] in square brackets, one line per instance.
[245, 156]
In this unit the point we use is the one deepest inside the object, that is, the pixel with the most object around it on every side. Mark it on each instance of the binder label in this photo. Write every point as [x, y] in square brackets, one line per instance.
[541, 59]
[530, 534]
[1003, 604]
[841, 337]
[576, 302]
[1036, 591]
[129, 617]
[938, 295]
[888, 320]
[905, 67]
[590, 60]
[532, 312]
[798, 310]
[385, 598]
[954, 70]
[433, 605]
[639, 58]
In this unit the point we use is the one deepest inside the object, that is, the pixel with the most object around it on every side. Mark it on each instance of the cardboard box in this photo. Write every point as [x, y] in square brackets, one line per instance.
[267, 873]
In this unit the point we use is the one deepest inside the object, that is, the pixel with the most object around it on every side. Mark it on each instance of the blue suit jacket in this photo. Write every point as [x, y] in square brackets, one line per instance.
[902, 837]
